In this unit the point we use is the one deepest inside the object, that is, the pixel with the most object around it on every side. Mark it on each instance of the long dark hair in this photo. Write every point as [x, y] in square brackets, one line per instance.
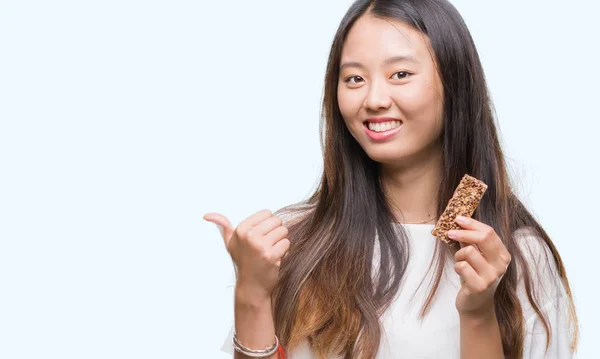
[326, 293]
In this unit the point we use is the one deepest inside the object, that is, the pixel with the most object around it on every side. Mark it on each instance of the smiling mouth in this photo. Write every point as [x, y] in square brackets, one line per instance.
[381, 127]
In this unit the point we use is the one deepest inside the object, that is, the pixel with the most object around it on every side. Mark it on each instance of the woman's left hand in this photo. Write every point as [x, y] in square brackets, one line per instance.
[481, 262]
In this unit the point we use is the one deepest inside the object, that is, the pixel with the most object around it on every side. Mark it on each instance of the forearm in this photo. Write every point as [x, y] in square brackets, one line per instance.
[253, 320]
[480, 337]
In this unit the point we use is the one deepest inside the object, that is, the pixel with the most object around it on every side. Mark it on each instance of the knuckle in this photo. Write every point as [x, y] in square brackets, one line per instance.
[240, 232]
[505, 258]
[480, 286]
[469, 250]
[283, 245]
[284, 231]
[254, 249]
[458, 266]
[266, 212]
[265, 255]
[486, 236]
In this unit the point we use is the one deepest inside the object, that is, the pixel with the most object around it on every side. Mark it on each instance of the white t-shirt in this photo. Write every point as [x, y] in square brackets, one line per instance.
[437, 335]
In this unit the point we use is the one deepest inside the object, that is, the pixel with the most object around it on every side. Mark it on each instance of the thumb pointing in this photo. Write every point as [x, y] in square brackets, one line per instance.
[222, 224]
[221, 229]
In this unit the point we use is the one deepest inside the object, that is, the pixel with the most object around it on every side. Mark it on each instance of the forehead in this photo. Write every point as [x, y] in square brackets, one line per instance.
[373, 39]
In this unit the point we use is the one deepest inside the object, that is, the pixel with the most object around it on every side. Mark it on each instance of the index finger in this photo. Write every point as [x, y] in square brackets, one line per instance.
[471, 224]
[255, 219]
[469, 238]
[475, 232]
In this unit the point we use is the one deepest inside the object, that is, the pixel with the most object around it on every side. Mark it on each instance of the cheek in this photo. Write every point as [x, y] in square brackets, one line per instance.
[423, 108]
[418, 99]
[349, 102]
[422, 102]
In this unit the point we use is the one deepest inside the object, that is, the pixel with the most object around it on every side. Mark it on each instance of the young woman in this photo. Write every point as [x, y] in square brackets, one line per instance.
[353, 271]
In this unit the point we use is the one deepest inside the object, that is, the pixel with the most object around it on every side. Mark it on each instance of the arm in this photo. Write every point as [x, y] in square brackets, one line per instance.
[253, 320]
[481, 264]
[480, 334]
[257, 247]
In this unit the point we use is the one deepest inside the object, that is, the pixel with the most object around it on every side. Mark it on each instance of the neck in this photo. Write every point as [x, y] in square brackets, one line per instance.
[412, 190]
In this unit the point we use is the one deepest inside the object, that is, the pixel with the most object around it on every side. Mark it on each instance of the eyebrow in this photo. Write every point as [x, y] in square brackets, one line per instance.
[389, 61]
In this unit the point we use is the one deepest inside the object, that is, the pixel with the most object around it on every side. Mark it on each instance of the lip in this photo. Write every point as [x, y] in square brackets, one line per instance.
[381, 136]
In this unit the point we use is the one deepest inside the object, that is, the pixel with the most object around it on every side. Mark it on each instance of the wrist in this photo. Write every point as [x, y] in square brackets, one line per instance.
[478, 318]
[251, 296]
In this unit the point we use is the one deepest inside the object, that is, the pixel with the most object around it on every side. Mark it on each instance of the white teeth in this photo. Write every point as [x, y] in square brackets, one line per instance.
[385, 126]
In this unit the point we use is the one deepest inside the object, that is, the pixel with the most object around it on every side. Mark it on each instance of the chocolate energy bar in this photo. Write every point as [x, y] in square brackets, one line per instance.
[465, 199]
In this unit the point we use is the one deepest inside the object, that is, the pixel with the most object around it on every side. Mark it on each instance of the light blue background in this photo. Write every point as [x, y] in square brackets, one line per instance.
[123, 122]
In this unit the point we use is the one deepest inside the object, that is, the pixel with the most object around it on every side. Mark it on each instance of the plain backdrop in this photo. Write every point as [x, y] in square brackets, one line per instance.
[123, 122]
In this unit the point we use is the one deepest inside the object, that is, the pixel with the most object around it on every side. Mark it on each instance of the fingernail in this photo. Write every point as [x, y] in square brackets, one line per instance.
[451, 233]
[461, 219]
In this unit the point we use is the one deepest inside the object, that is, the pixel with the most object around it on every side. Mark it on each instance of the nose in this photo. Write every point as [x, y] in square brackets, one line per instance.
[378, 98]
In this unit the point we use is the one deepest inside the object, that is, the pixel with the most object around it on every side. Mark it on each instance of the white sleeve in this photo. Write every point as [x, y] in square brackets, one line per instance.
[227, 346]
[552, 300]
[560, 340]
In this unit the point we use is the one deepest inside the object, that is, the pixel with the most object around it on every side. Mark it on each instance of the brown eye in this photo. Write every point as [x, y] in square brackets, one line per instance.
[353, 79]
[401, 75]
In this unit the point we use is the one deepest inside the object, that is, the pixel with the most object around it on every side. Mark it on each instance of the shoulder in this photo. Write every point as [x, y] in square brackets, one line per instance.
[534, 249]
[537, 269]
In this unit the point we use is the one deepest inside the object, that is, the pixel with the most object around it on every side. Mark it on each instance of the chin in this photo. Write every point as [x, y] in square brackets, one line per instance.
[387, 157]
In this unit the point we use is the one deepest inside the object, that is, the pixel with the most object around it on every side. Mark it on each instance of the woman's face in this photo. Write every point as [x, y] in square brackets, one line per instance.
[387, 74]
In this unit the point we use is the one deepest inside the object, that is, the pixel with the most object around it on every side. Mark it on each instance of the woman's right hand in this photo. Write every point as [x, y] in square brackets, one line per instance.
[256, 246]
